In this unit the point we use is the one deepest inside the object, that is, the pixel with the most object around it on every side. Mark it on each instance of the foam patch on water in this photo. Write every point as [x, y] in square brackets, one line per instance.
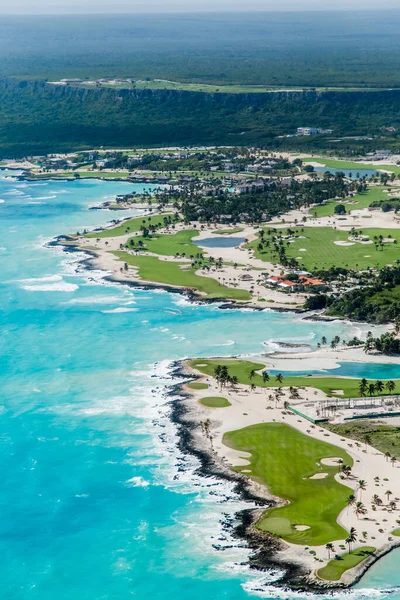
[63, 286]
[137, 482]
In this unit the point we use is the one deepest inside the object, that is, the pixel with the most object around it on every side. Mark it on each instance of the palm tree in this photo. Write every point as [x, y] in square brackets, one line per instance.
[390, 386]
[265, 376]
[393, 460]
[388, 493]
[379, 386]
[371, 389]
[323, 340]
[279, 377]
[330, 547]
[362, 486]
[360, 509]
[350, 501]
[351, 537]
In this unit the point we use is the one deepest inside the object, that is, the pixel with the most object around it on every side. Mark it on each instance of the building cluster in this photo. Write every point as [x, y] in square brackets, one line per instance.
[313, 131]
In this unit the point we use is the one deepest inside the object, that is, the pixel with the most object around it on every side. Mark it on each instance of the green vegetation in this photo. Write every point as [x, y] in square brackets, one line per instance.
[168, 244]
[396, 531]
[314, 248]
[336, 567]
[243, 369]
[385, 438]
[128, 226]
[284, 459]
[228, 231]
[354, 166]
[215, 402]
[197, 385]
[357, 202]
[179, 274]
[377, 301]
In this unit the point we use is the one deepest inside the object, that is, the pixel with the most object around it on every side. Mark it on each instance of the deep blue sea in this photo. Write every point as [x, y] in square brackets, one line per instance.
[92, 504]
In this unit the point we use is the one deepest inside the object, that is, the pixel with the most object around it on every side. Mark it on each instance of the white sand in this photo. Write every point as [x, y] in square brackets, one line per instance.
[343, 243]
[319, 475]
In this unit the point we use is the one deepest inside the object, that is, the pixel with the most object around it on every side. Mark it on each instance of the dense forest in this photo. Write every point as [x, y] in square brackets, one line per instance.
[37, 118]
[289, 49]
[375, 302]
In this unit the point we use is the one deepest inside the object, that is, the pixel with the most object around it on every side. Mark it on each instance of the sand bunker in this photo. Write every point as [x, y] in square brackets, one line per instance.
[319, 476]
[367, 256]
[201, 365]
[301, 527]
[388, 239]
[338, 392]
[302, 250]
[330, 462]
[342, 243]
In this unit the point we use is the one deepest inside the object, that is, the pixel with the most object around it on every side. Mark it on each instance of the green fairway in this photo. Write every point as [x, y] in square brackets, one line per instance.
[179, 274]
[336, 567]
[242, 369]
[349, 165]
[128, 226]
[396, 532]
[215, 402]
[357, 202]
[284, 459]
[315, 248]
[196, 385]
[169, 244]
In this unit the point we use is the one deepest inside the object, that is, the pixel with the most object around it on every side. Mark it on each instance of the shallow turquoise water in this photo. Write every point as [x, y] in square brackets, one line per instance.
[352, 173]
[92, 503]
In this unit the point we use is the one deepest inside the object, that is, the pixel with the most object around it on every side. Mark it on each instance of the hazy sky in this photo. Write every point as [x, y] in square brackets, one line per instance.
[164, 6]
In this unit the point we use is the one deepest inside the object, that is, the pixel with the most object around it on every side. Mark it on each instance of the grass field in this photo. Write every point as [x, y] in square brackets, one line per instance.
[385, 438]
[128, 226]
[349, 165]
[284, 459]
[315, 249]
[335, 568]
[396, 532]
[170, 244]
[358, 202]
[197, 385]
[215, 402]
[242, 369]
[170, 273]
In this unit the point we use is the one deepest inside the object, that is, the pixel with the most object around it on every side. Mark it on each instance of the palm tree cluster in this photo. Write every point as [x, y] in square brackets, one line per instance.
[223, 378]
[376, 387]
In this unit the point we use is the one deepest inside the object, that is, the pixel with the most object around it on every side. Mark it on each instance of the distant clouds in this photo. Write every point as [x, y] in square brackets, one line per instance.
[165, 6]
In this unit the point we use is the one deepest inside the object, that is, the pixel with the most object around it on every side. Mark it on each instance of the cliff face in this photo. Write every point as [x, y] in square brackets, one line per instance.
[40, 117]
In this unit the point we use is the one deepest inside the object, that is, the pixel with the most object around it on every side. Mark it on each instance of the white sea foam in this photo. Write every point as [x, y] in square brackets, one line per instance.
[14, 192]
[44, 279]
[111, 299]
[46, 197]
[63, 286]
[2, 201]
[227, 343]
[137, 482]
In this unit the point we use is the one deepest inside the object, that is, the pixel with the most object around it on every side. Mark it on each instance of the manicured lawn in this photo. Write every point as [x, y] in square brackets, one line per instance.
[396, 531]
[242, 368]
[335, 568]
[227, 231]
[349, 165]
[315, 249]
[385, 438]
[284, 459]
[358, 201]
[215, 402]
[128, 226]
[170, 244]
[170, 273]
[196, 385]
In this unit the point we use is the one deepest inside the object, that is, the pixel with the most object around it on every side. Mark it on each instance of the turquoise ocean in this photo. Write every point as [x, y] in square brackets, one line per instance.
[96, 501]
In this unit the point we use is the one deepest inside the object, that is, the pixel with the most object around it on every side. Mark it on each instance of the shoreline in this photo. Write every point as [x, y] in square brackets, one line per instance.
[269, 553]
